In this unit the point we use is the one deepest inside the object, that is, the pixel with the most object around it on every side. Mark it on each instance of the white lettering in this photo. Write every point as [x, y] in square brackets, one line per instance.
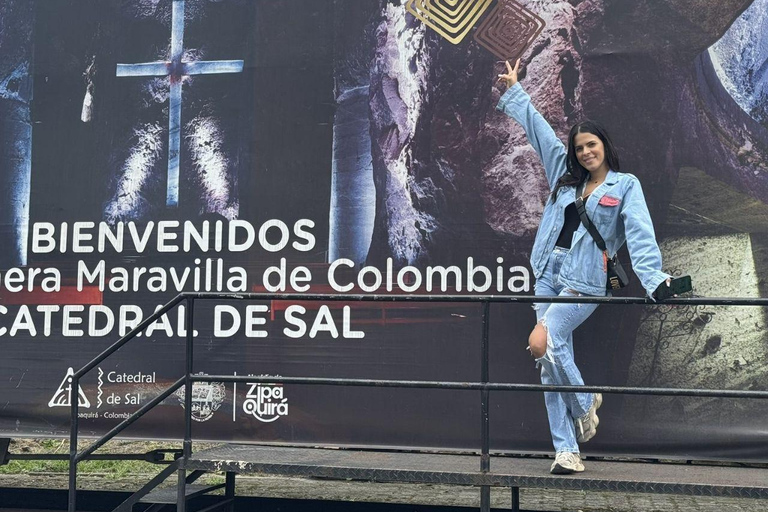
[23, 321]
[236, 225]
[284, 235]
[47, 311]
[42, 237]
[164, 236]
[307, 236]
[324, 323]
[78, 237]
[218, 313]
[69, 321]
[90, 277]
[109, 320]
[332, 275]
[252, 320]
[472, 271]
[292, 319]
[346, 331]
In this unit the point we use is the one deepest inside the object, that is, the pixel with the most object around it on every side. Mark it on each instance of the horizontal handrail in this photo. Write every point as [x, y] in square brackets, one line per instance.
[152, 456]
[502, 299]
[691, 301]
[483, 386]
[188, 379]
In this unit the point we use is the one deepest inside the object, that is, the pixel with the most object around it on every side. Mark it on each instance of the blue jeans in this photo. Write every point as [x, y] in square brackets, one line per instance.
[557, 365]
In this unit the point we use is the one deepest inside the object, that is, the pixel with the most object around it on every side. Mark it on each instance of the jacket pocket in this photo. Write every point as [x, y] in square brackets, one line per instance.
[607, 212]
[609, 201]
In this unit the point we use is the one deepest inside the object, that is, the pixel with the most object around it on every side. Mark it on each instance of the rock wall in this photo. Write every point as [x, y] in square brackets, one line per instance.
[16, 70]
[454, 177]
[706, 346]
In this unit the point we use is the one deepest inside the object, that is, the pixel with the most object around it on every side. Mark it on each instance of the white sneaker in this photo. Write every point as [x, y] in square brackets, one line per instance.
[566, 463]
[586, 426]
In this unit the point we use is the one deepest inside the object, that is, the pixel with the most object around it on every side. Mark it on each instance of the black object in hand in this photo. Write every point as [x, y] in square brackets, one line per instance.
[677, 286]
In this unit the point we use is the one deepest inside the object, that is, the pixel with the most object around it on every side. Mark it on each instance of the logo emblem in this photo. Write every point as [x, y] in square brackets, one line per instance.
[266, 402]
[207, 398]
[61, 398]
[452, 19]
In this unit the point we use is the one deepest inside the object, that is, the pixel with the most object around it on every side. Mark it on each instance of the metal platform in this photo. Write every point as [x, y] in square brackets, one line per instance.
[514, 472]
[169, 495]
[392, 466]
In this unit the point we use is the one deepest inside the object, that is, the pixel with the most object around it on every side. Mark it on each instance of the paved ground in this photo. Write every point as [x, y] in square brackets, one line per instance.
[534, 499]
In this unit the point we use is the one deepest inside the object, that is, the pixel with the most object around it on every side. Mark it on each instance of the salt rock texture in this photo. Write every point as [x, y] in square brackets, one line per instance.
[713, 347]
[406, 217]
[740, 58]
[515, 188]
[16, 69]
[353, 198]
[456, 178]
[158, 9]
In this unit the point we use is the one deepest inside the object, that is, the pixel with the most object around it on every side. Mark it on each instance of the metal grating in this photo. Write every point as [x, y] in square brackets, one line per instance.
[168, 495]
[375, 466]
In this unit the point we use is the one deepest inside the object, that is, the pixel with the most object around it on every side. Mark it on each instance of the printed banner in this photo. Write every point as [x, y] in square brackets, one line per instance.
[353, 146]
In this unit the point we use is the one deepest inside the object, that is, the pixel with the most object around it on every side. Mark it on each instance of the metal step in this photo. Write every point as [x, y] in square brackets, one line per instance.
[170, 494]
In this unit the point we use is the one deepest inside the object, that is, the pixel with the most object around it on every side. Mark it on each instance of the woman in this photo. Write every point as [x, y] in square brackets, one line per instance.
[567, 262]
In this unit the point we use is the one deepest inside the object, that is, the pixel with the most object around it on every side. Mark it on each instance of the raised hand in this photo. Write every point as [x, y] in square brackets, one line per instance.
[510, 78]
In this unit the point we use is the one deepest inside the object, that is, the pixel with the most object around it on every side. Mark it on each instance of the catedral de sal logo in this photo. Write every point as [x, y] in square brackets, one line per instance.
[266, 402]
[507, 31]
[62, 396]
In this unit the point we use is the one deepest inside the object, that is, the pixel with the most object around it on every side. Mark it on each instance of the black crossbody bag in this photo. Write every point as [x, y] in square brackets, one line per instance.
[617, 276]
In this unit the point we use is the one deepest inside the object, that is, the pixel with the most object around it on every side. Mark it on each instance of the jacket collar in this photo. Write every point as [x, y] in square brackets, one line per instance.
[594, 198]
[611, 178]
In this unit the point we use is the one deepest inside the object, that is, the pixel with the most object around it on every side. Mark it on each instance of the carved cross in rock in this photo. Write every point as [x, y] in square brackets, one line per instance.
[176, 69]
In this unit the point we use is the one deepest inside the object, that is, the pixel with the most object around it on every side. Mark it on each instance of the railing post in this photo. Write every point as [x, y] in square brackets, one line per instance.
[229, 490]
[515, 499]
[74, 398]
[188, 382]
[181, 503]
[74, 426]
[485, 457]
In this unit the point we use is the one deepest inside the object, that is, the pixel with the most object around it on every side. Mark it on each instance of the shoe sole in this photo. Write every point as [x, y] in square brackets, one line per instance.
[557, 469]
[594, 420]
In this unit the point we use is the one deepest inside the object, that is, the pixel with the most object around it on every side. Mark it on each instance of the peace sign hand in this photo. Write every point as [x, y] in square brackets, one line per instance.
[510, 78]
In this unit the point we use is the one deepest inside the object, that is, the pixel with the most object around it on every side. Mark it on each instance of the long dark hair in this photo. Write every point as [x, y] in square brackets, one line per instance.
[576, 174]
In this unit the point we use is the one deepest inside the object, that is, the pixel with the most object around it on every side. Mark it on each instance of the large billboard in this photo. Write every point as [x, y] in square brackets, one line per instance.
[149, 147]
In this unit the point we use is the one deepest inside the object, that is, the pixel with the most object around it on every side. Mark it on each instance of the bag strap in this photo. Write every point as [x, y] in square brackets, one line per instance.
[582, 209]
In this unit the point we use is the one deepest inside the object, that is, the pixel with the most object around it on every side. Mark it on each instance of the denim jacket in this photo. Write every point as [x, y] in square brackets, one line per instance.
[616, 207]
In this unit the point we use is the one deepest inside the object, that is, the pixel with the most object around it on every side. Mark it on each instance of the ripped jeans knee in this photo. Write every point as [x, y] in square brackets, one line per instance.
[540, 342]
[551, 340]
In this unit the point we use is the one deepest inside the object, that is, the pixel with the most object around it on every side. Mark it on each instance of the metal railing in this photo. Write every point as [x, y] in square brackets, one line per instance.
[484, 386]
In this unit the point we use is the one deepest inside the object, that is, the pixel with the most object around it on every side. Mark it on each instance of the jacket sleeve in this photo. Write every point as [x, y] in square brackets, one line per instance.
[641, 239]
[516, 103]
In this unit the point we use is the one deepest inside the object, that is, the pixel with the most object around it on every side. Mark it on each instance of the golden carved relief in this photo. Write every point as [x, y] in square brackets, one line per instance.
[507, 31]
[452, 19]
